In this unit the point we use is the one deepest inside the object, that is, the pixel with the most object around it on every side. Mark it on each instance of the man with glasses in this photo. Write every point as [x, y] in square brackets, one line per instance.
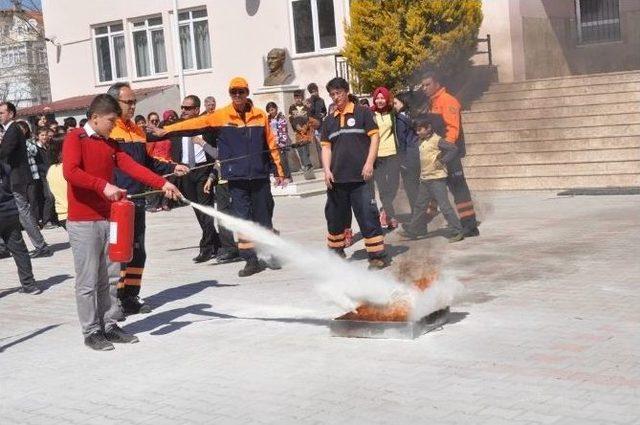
[132, 140]
[243, 132]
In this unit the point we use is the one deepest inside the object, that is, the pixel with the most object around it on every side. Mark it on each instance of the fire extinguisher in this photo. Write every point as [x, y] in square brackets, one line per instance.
[121, 231]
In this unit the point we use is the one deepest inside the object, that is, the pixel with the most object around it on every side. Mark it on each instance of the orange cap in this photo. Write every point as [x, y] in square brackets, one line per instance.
[238, 83]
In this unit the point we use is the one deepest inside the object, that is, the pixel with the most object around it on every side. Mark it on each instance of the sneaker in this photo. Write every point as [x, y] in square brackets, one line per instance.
[251, 267]
[133, 305]
[383, 218]
[31, 290]
[43, 251]
[457, 237]
[470, 233]
[348, 237]
[97, 341]
[117, 335]
[379, 263]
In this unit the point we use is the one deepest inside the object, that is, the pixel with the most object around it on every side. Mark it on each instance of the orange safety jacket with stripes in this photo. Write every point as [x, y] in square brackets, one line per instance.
[251, 140]
[449, 108]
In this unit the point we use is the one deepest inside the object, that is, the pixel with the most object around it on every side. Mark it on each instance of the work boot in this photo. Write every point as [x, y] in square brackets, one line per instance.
[4, 254]
[229, 256]
[252, 266]
[469, 233]
[379, 263]
[271, 263]
[340, 253]
[97, 341]
[119, 336]
[204, 255]
[133, 305]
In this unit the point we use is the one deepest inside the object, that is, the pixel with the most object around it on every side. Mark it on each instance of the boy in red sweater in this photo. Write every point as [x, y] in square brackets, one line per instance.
[89, 159]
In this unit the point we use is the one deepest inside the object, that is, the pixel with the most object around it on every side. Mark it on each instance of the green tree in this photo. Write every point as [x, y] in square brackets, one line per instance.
[388, 41]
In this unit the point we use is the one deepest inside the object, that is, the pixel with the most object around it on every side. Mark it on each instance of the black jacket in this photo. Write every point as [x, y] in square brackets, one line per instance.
[13, 152]
[8, 206]
[176, 148]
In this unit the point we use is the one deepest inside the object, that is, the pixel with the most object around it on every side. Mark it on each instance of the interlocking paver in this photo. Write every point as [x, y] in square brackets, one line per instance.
[546, 332]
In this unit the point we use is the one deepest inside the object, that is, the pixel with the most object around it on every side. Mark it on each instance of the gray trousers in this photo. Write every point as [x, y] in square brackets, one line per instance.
[432, 189]
[387, 177]
[96, 298]
[27, 220]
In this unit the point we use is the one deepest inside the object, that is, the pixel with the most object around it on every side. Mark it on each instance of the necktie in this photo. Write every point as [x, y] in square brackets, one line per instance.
[191, 154]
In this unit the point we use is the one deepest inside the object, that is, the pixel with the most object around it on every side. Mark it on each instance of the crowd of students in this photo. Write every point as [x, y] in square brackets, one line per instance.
[203, 157]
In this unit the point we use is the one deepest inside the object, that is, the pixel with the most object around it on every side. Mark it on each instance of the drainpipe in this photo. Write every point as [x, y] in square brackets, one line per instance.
[176, 49]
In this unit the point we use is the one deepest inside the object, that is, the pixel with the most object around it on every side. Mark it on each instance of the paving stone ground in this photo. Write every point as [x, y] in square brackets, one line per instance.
[547, 332]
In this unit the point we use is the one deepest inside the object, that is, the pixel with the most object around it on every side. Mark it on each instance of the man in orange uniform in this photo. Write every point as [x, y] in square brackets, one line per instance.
[246, 149]
[132, 140]
[444, 104]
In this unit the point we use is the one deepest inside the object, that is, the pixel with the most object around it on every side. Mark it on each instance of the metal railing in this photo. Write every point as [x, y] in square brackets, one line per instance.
[486, 40]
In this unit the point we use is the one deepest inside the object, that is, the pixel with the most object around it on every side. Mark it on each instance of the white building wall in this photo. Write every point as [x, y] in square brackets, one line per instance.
[239, 44]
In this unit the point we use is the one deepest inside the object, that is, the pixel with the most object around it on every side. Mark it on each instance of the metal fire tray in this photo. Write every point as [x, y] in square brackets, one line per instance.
[388, 330]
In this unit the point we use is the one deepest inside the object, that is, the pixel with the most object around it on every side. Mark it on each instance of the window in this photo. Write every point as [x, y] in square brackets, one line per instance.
[598, 21]
[314, 25]
[148, 47]
[195, 48]
[111, 59]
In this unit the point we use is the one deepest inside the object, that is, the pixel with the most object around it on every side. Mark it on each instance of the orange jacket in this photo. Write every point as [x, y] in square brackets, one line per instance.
[449, 108]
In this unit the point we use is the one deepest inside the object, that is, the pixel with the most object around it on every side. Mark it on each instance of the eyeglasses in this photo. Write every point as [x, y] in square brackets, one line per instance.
[131, 102]
[237, 92]
[154, 121]
[187, 108]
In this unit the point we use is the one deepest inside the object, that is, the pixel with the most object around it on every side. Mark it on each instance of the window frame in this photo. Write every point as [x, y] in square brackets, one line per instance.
[148, 30]
[317, 50]
[190, 23]
[581, 42]
[112, 58]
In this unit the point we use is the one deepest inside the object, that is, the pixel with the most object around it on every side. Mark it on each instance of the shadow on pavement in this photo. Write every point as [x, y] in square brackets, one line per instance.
[9, 291]
[166, 322]
[29, 336]
[456, 316]
[182, 292]
[60, 246]
[53, 280]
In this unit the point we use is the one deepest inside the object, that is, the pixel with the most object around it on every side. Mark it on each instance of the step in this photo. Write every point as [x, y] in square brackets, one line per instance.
[555, 169]
[569, 81]
[553, 133]
[487, 148]
[561, 92]
[469, 117]
[554, 182]
[566, 157]
[615, 96]
[553, 122]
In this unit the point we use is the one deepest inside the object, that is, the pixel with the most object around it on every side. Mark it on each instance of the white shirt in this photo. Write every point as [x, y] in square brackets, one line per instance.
[199, 152]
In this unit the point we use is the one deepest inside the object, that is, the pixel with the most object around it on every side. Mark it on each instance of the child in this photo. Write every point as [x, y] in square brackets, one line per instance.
[304, 126]
[434, 155]
[89, 160]
[57, 183]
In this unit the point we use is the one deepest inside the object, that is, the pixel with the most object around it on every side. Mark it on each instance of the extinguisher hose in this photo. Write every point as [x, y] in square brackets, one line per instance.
[211, 164]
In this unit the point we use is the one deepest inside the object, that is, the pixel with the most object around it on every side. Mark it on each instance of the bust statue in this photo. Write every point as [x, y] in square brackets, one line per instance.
[275, 62]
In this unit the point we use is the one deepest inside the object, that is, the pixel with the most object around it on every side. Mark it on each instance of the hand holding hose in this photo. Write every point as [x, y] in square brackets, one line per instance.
[113, 192]
[171, 191]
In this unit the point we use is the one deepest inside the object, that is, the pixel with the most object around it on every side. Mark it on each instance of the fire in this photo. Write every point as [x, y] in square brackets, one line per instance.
[397, 311]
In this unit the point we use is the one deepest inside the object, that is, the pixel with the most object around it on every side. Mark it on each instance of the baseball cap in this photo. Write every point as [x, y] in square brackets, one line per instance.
[238, 83]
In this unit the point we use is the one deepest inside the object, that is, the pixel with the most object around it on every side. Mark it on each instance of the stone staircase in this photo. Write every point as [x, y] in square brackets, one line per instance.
[557, 133]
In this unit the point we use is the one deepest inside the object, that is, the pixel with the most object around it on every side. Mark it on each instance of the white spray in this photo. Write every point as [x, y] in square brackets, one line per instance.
[338, 281]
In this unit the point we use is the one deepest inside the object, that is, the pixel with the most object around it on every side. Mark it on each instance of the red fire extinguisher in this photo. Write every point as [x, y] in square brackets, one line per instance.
[121, 231]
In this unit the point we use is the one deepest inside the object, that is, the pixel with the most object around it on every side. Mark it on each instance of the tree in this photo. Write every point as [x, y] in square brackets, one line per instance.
[388, 41]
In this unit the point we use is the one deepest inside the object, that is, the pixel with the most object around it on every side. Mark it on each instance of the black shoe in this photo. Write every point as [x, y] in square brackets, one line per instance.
[97, 341]
[31, 290]
[43, 251]
[252, 267]
[117, 335]
[341, 253]
[379, 263]
[203, 256]
[227, 257]
[469, 233]
[271, 263]
[133, 305]
[5, 254]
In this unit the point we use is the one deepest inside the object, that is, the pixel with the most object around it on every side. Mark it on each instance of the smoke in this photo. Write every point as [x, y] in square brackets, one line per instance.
[338, 281]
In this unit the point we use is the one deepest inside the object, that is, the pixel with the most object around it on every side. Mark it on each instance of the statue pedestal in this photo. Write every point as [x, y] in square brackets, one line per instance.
[281, 95]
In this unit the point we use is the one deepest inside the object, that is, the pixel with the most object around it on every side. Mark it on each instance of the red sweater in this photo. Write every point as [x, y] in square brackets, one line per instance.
[88, 164]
